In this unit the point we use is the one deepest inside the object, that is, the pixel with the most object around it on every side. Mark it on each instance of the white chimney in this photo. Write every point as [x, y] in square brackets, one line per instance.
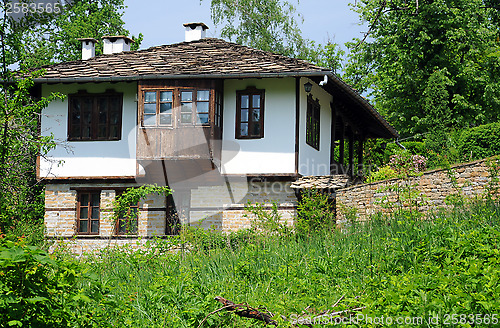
[88, 47]
[195, 31]
[116, 44]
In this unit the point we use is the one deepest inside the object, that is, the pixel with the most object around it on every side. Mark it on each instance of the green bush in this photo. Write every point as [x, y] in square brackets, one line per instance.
[39, 291]
[315, 213]
[480, 142]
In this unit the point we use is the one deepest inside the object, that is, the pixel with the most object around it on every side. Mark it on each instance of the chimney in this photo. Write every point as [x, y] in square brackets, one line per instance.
[88, 47]
[195, 31]
[116, 44]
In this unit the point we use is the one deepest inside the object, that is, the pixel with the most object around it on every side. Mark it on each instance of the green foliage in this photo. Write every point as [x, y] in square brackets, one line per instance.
[446, 75]
[266, 25]
[315, 213]
[384, 173]
[20, 194]
[131, 196]
[266, 221]
[57, 41]
[40, 291]
[396, 267]
[480, 142]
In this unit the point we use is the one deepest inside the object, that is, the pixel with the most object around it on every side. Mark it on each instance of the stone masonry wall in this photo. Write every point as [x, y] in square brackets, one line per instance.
[216, 207]
[433, 188]
[212, 206]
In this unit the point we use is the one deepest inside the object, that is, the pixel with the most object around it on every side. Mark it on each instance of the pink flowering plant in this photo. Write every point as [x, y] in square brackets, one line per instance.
[407, 164]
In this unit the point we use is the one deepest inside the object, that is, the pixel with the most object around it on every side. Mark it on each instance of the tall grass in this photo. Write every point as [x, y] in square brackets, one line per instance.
[393, 266]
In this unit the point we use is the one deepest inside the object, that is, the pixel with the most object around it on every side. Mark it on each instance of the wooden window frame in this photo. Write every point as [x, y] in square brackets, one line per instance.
[313, 118]
[94, 117]
[250, 91]
[176, 114]
[89, 207]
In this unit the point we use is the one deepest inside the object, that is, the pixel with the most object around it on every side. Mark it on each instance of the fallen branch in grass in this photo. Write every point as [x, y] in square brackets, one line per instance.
[242, 310]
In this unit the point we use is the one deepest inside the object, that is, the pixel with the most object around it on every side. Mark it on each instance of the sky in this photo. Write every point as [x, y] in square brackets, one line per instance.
[161, 20]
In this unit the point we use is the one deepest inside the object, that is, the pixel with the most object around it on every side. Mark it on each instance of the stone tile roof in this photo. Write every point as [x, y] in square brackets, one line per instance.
[321, 182]
[205, 57]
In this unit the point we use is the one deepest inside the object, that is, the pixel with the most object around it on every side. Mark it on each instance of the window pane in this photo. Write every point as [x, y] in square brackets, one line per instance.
[86, 117]
[95, 199]
[86, 132]
[103, 116]
[94, 226]
[256, 129]
[95, 213]
[186, 96]
[244, 115]
[244, 101]
[256, 115]
[165, 119]
[186, 107]
[102, 131]
[84, 201]
[121, 226]
[166, 108]
[114, 117]
[149, 108]
[202, 118]
[244, 129]
[75, 131]
[150, 96]
[256, 101]
[83, 226]
[114, 131]
[202, 107]
[84, 212]
[203, 95]
[166, 96]
[149, 120]
[186, 118]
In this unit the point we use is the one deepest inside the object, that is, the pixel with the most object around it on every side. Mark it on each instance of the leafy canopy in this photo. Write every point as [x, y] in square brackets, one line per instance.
[429, 64]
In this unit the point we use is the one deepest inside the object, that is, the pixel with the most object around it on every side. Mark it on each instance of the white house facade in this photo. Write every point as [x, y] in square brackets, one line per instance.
[219, 123]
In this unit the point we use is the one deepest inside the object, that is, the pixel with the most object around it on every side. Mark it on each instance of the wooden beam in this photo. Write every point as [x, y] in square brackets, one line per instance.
[341, 140]
[360, 155]
[332, 135]
[297, 120]
[351, 152]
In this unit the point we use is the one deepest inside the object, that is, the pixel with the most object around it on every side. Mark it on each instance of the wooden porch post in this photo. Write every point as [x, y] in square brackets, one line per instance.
[360, 155]
[341, 145]
[332, 139]
[351, 152]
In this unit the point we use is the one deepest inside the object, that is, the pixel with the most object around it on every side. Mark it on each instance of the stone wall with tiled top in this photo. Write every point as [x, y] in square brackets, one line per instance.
[433, 188]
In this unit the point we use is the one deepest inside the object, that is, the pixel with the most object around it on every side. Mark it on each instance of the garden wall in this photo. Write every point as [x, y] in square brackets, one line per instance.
[428, 191]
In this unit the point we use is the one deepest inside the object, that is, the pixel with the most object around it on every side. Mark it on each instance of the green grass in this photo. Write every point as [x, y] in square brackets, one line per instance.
[392, 266]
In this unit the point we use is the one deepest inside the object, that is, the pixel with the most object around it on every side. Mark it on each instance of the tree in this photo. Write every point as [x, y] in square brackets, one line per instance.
[428, 58]
[22, 40]
[269, 25]
[56, 41]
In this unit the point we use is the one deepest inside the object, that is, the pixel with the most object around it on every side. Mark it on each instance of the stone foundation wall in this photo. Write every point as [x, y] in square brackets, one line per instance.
[223, 207]
[433, 187]
[219, 207]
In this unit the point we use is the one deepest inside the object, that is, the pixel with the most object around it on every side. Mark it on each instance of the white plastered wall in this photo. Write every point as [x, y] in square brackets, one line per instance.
[312, 161]
[273, 154]
[89, 158]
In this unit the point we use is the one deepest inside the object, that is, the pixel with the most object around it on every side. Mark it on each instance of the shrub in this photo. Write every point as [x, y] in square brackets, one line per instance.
[314, 213]
[480, 142]
[384, 173]
[38, 290]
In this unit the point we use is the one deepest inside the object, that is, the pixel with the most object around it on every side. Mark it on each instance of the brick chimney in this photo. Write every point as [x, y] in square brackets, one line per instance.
[195, 31]
[116, 44]
[88, 47]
